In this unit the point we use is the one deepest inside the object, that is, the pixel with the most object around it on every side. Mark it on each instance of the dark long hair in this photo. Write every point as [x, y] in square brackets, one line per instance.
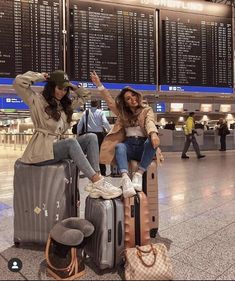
[52, 109]
[124, 109]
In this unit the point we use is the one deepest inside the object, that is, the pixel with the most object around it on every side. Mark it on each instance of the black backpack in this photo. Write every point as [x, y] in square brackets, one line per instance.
[84, 128]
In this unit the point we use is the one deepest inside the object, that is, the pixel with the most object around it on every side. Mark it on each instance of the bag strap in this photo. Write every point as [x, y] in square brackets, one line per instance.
[87, 113]
[140, 252]
[71, 265]
[73, 261]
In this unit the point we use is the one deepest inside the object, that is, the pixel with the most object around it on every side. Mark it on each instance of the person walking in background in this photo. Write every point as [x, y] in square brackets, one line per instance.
[189, 130]
[223, 131]
[133, 137]
[51, 112]
[205, 126]
[97, 123]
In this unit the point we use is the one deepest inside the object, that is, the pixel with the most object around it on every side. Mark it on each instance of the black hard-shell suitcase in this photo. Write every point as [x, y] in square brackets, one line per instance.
[150, 188]
[106, 244]
[43, 196]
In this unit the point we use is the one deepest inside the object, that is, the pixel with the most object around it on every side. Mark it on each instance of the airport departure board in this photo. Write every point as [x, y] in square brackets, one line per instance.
[196, 50]
[30, 33]
[115, 40]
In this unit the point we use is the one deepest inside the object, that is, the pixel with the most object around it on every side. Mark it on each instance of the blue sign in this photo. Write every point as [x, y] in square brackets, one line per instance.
[118, 86]
[12, 102]
[160, 107]
[199, 89]
[9, 81]
[6, 81]
[90, 85]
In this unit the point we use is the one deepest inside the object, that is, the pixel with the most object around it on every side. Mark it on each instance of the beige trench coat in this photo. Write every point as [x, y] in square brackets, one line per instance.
[47, 130]
[117, 134]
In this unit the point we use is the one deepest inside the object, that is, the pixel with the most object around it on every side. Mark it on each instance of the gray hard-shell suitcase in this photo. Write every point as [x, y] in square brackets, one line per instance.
[106, 244]
[43, 195]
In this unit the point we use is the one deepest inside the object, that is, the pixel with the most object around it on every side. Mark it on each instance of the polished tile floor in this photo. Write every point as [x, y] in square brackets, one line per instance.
[197, 219]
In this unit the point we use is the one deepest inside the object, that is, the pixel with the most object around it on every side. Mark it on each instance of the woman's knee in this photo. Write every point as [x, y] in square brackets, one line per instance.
[148, 144]
[120, 147]
[92, 138]
[72, 143]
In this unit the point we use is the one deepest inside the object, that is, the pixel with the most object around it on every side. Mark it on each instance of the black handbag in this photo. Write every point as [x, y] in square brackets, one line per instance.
[227, 132]
[84, 126]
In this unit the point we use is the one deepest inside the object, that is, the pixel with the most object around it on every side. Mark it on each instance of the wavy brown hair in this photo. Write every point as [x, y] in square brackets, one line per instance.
[124, 109]
[52, 108]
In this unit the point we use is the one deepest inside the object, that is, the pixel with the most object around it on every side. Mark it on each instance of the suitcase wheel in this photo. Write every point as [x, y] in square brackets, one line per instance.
[17, 244]
[153, 232]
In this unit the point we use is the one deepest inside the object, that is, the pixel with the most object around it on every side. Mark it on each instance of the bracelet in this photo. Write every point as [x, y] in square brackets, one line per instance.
[100, 88]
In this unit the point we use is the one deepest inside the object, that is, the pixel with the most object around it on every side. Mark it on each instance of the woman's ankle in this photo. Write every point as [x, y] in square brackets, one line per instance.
[96, 177]
[139, 171]
[124, 175]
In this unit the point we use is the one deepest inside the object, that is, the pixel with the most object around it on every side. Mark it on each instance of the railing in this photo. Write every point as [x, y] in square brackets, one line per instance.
[18, 140]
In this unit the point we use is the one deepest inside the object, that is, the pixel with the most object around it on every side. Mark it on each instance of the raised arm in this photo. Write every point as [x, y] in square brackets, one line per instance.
[22, 85]
[105, 94]
[79, 96]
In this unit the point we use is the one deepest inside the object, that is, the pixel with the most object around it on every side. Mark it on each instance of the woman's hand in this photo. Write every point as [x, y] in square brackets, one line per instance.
[95, 79]
[46, 75]
[155, 140]
[74, 87]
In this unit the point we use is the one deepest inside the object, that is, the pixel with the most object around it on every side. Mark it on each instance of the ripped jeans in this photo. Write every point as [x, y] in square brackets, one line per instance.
[139, 149]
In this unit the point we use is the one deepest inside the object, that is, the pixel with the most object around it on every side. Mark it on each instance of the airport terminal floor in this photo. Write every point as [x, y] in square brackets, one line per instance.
[197, 218]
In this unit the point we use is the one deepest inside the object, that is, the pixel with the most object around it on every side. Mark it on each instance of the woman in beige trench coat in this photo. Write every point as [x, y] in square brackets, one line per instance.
[133, 137]
[51, 112]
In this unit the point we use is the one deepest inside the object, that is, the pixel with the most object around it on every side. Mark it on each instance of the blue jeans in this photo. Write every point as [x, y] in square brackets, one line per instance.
[139, 149]
[76, 149]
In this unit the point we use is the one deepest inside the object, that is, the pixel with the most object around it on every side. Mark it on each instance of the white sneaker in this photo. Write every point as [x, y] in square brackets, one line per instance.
[137, 181]
[104, 189]
[89, 186]
[127, 187]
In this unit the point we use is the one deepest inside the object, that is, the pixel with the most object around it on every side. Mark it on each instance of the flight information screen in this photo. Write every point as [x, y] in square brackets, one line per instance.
[31, 37]
[195, 52]
[116, 41]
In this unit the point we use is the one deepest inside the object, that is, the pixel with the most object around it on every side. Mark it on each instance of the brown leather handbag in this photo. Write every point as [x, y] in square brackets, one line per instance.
[149, 262]
[63, 262]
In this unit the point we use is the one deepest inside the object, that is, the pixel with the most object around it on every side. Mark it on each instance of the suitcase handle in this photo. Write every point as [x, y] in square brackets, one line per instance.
[119, 233]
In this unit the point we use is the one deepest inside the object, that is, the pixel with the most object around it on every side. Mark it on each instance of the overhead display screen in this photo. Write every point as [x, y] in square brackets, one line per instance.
[116, 41]
[195, 53]
[30, 36]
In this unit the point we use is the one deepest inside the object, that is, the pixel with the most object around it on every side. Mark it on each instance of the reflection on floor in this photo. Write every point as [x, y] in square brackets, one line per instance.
[197, 219]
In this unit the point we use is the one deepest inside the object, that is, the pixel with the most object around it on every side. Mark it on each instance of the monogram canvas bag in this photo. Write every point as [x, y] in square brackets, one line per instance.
[149, 262]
